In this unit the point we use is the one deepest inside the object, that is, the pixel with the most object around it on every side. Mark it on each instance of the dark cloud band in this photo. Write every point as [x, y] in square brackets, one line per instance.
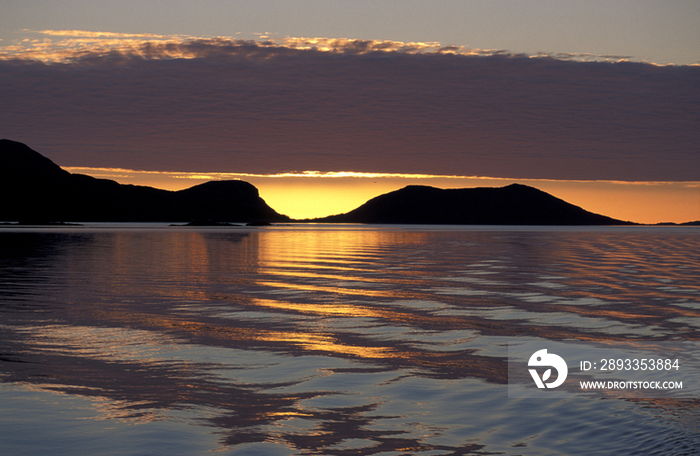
[223, 105]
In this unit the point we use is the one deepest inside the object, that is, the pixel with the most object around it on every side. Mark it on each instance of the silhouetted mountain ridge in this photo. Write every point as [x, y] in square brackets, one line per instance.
[36, 190]
[514, 204]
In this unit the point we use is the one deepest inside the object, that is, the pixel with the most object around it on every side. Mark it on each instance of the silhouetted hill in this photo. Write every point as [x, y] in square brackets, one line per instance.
[36, 190]
[693, 223]
[512, 205]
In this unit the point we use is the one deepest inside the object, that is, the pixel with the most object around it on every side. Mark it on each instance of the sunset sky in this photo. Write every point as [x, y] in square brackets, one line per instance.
[325, 104]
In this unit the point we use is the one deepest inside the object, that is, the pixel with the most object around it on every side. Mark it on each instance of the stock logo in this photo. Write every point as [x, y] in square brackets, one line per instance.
[543, 359]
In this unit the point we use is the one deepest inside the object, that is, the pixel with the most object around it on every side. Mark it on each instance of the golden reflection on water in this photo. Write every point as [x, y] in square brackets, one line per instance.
[331, 289]
[361, 274]
[146, 323]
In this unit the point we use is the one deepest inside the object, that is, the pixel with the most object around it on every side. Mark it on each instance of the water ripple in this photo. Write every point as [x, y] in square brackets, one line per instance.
[353, 340]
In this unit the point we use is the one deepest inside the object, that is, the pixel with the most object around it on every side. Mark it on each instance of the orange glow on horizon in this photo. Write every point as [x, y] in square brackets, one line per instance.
[312, 194]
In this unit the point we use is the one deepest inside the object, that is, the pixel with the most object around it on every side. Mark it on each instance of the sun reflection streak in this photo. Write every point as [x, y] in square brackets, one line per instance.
[245, 331]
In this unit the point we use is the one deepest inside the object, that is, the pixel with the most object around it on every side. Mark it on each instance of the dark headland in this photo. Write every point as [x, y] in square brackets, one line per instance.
[37, 191]
[511, 205]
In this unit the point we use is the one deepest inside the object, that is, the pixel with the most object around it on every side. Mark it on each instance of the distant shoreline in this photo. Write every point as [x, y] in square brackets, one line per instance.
[43, 194]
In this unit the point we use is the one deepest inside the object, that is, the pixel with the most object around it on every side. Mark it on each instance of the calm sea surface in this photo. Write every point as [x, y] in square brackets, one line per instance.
[330, 340]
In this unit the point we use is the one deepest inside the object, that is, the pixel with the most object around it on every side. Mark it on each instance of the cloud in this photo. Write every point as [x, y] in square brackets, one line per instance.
[89, 34]
[74, 45]
[216, 104]
[115, 173]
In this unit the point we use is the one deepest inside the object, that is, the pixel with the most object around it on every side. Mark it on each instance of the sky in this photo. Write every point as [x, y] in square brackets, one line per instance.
[325, 104]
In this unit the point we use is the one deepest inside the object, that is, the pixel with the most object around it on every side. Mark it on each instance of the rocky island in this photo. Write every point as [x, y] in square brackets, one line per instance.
[511, 205]
[36, 190]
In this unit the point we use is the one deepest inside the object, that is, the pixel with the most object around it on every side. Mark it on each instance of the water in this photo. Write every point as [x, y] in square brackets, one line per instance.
[325, 340]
